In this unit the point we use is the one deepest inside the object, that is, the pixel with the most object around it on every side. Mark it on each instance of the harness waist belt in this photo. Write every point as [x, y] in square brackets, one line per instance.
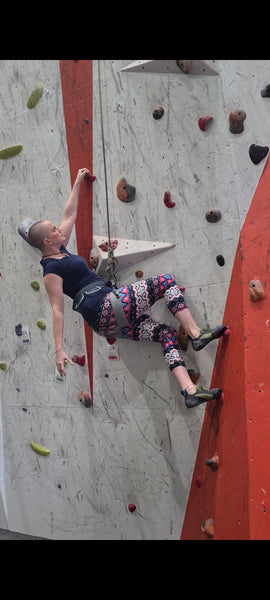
[91, 288]
[117, 306]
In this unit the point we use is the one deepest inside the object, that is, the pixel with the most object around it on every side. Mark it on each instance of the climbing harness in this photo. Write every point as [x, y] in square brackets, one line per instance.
[115, 299]
[111, 261]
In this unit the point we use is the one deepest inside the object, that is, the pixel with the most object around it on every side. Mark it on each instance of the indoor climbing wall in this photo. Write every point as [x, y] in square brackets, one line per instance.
[181, 172]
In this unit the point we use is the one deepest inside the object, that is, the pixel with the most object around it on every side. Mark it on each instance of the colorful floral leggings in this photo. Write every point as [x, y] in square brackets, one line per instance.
[137, 299]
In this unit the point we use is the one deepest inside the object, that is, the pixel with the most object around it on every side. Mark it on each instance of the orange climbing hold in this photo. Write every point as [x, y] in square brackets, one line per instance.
[236, 118]
[183, 338]
[256, 291]
[125, 192]
[184, 65]
[207, 527]
[213, 462]
[85, 399]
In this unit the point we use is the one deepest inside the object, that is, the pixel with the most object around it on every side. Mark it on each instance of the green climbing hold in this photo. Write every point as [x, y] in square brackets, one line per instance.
[35, 285]
[35, 96]
[3, 366]
[41, 324]
[10, 151]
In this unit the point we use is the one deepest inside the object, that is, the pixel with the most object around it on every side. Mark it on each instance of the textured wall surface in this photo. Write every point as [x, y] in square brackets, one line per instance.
[139, 442]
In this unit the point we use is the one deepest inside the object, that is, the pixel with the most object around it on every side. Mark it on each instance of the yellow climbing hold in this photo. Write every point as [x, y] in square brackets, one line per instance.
[39, 449]
[41, 324]
[10, 151]
[35, 285]
[3, 366]
[35, 96]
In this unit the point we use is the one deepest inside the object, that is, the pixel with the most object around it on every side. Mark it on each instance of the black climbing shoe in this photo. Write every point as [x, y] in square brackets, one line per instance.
[201, 395]
[206, 336]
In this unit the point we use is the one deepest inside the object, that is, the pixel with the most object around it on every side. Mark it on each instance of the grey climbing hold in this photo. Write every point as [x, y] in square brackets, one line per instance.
[24, 227]
[265, 93]
[257, 153]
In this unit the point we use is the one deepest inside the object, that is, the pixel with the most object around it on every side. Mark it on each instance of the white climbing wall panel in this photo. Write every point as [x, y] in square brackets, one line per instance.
[138, 444]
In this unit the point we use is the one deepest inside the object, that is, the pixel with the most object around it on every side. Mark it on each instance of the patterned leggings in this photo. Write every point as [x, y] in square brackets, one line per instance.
[137, 299]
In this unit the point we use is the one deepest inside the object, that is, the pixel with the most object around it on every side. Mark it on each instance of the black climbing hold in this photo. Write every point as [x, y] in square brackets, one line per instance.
[265, 93]
[257, 153]
[18, 329]
[212, 216]
[158, 112]
[220, 260]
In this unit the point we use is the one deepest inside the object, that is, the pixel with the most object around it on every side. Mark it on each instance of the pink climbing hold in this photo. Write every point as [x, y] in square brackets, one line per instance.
[220, 400]
[226, 334]
[105, 245]
[167, 199]
[203, 122]
[131, 507]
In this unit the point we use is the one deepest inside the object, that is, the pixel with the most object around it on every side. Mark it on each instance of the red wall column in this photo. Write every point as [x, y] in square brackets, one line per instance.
[77, 95]
[237, 495]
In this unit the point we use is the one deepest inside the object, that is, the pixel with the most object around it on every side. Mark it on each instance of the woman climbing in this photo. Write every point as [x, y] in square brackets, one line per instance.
[115, 313]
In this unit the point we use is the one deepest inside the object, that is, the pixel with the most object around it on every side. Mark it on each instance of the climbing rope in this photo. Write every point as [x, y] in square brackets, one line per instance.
[112, 262]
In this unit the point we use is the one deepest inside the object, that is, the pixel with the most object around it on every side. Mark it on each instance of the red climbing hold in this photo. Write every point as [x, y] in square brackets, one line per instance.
[203, 122]
[111, 340]
[198, 482]
[89, 178]
[167, 199]
[131, 507]
[80, 360]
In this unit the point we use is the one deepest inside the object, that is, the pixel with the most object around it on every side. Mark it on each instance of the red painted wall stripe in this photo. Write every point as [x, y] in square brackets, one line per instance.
[77, 95]
[237, 495]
